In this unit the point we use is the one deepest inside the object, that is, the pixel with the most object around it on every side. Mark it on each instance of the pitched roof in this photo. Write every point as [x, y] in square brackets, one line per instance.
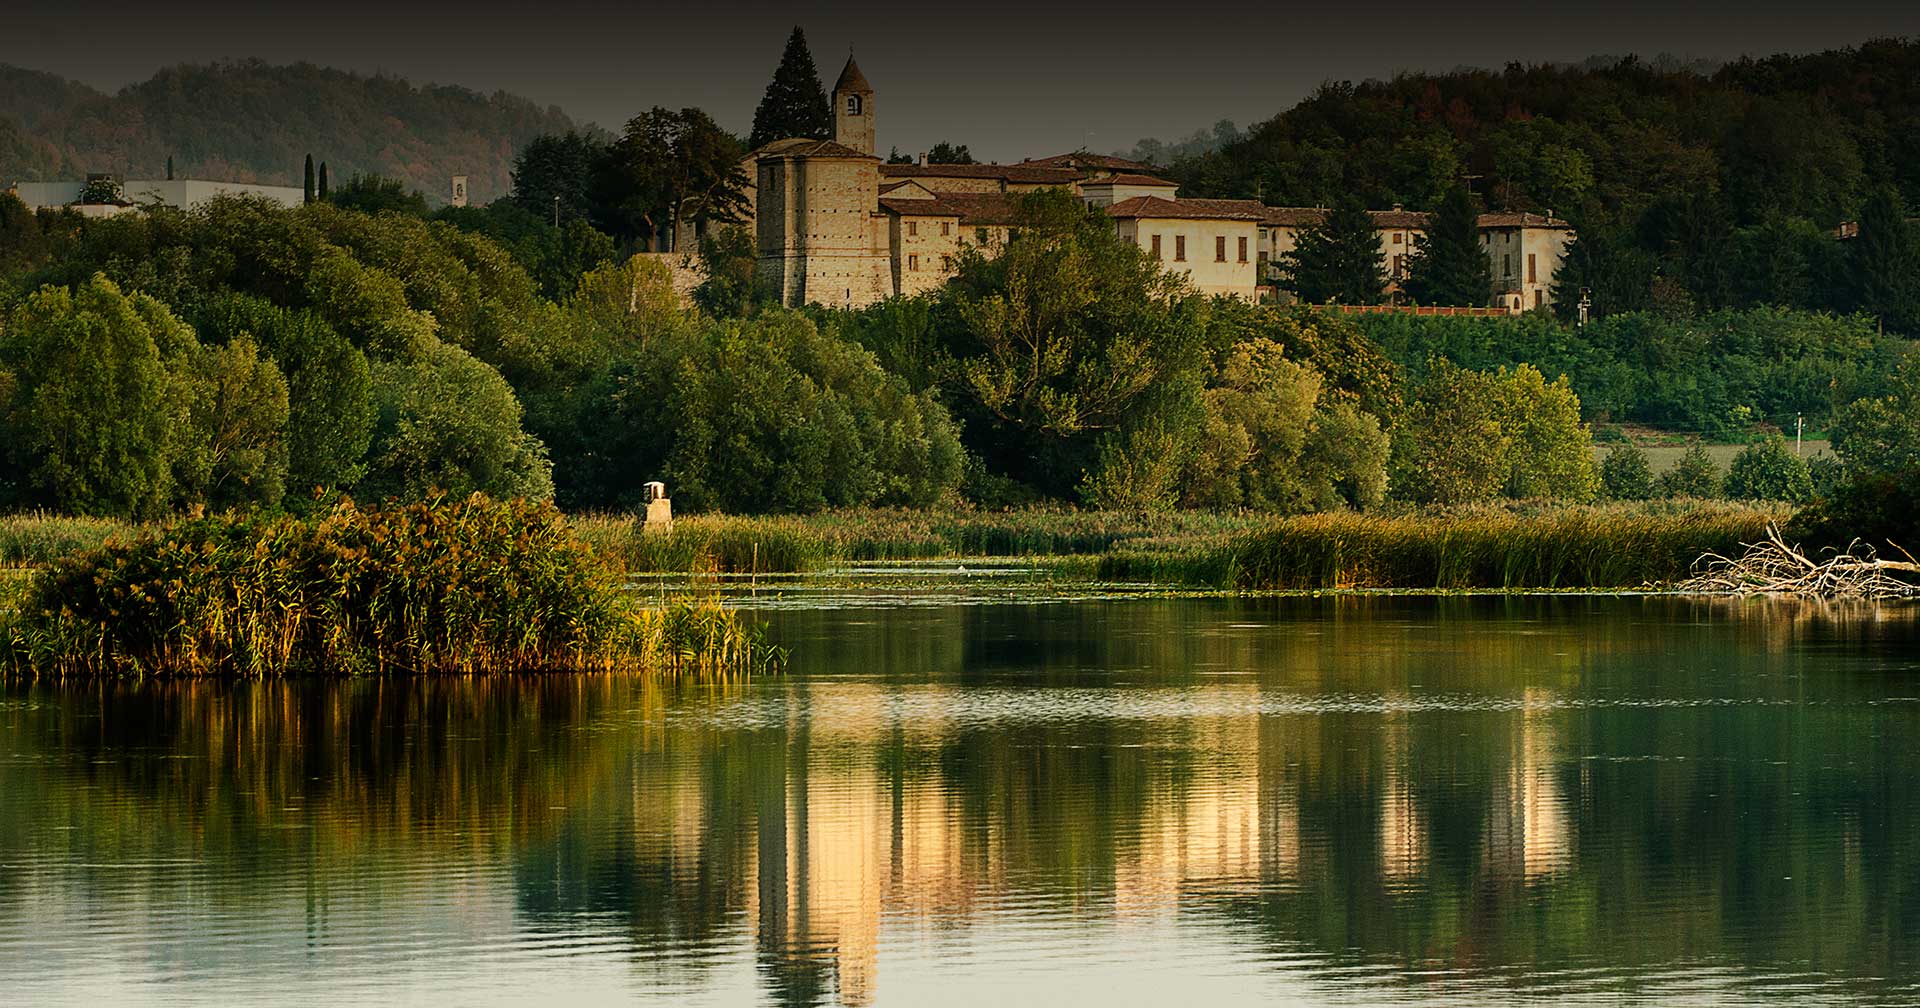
[1251, 208]
[1289, 216]
[919, 207]
[1522, 220]
[1398, 219]
[1157, 207]
[851, 79]
[1082, 159]
[801, 147]
[1131, 178]
[983, 208]
[1004, 173]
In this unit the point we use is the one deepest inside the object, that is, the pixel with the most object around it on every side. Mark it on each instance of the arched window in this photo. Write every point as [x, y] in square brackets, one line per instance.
[853, 104]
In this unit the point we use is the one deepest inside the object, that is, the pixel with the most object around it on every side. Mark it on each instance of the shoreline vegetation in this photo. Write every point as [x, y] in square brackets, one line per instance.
[1485, 547]
[445, 586]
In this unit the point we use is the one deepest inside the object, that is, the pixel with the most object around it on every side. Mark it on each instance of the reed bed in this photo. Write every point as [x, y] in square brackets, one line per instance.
[441, 587]
[795, 543]
[1608, 547]
[37, 538]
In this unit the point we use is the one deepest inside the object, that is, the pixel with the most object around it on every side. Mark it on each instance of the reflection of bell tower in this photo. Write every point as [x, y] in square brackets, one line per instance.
[853, 109]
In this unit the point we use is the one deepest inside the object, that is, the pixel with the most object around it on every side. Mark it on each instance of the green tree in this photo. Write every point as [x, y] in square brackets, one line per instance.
[238, 425]
[1769, 470]
[732, 287]
[555, 172]
[322, 193]
[1448, 444]
[377, 194]
[328, 388]
[1694, 475]
[1449, 265]
[446, 421]
[1549, 451]
[946, 153]
[1878, 442]
[306, 187]
[1884, 263]
[1068, 336]
[1337, 260]
[795, 102]
[667, 168]
[89, 429]
[1625, 474]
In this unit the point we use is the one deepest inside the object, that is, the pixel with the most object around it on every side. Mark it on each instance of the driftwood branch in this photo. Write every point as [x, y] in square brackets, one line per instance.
[1775, 568]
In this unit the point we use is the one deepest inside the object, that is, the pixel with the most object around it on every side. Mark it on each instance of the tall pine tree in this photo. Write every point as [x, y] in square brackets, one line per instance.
[1339, 260]
[323, 182]
[795, 104]
[1884, 264]
[307, 188]
[1449, 267]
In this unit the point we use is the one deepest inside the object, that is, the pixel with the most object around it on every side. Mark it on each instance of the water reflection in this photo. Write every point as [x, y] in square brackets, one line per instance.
[1107, 801]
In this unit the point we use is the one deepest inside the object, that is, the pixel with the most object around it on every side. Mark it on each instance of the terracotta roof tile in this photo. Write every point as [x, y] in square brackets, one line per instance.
[801, 147]
[1155, 206]
[1005, 173]
[1130, 178]
[1082, 159]
[1384, 219]
[919, 207]
[851, 79]
[1514, 220]
[983, 208]
[1299, 217]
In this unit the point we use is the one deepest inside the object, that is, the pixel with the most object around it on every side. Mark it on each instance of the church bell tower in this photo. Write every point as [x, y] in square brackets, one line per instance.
[853, 109]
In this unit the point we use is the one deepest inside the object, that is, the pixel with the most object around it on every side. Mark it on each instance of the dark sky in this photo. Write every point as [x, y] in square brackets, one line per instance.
[1010, 79]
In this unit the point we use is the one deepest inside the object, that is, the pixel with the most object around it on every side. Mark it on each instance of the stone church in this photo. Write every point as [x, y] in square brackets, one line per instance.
[835, 226]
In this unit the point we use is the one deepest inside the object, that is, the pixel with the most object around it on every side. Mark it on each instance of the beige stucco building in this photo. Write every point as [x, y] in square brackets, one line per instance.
[835, 226]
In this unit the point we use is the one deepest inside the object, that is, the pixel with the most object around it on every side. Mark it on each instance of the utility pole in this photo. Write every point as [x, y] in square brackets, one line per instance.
[1799, 426]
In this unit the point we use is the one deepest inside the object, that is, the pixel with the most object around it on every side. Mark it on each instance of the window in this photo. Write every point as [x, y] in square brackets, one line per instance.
[980, 235]
[913, 229]
[1399, 238]
[1220, 248]
[1399, 266]
[1156, 248]
[946, 228]
[1243, 250]
[1537, 297]
[853, 104]
[1179, 248]
[1506, 266]
[1531, 276]
[913, 262]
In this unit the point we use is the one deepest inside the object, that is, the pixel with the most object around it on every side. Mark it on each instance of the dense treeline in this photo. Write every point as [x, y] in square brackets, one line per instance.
[248, 121]
[1689, 191]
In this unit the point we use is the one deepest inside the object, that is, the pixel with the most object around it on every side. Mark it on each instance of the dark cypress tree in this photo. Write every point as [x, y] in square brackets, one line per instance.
[307, 187]
[1449, 267]
[323, 182]
[169, 167]
[795, 104]
[1339, 260]
[1885, 264]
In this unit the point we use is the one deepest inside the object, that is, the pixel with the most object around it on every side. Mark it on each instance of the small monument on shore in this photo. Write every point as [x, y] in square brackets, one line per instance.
[659, 509]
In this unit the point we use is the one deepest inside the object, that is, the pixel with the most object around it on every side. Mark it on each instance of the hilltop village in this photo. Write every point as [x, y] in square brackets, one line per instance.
[836, 226]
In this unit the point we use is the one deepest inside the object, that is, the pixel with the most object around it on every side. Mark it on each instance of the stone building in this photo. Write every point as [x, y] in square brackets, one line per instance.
[835, 226]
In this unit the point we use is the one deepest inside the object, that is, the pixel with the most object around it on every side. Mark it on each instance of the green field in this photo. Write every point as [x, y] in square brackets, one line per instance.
[1662, 457]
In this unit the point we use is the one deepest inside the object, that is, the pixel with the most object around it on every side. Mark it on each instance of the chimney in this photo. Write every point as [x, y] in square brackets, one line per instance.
[1398, 207]
[921, 159]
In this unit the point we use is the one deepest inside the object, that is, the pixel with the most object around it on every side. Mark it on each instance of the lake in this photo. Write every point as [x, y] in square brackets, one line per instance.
[989, 790]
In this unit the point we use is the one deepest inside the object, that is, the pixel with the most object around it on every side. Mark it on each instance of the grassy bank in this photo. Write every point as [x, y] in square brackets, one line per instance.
[1563, 548]
[786, 544]
[35, 539]
[442, 587]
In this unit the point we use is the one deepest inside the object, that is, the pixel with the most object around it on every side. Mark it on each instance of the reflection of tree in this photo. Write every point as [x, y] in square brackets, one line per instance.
[1371, 780]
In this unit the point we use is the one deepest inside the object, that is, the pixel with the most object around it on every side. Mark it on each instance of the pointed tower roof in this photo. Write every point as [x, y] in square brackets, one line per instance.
[851, 79]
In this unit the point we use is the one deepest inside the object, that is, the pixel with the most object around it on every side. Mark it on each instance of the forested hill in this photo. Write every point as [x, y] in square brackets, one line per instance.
[252, 122]
[1787, 136]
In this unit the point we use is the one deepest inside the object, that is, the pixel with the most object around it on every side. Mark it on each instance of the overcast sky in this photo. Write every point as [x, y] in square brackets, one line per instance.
[1009, 79]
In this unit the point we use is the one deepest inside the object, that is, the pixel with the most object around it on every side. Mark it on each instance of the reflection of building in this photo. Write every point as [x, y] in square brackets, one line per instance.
[1403, 826]
[1527, 830]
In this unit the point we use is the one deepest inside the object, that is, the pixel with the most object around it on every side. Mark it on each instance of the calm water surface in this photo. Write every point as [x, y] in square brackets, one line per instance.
[1010, 796]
